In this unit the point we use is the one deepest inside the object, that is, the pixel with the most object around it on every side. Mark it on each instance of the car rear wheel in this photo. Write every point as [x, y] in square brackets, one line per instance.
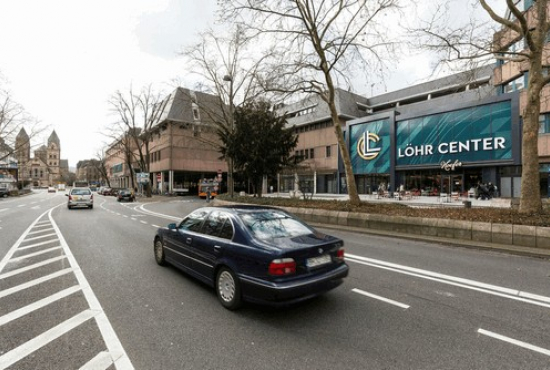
[228, 289]
[159, 253]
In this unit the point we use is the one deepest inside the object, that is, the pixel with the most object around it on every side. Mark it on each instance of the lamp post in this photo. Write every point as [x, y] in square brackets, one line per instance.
[230, 182]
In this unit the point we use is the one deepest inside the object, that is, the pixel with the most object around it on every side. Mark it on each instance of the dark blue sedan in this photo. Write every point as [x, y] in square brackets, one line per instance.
[256, 254]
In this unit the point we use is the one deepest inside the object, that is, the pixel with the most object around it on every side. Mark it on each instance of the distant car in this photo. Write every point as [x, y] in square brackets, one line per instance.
[254, 254]
[125, 194]
[51, 189]
[104, 190]
[4, 192]
[80, 197]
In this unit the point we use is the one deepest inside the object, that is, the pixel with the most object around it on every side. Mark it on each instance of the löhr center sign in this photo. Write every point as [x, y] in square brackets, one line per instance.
[471, 135]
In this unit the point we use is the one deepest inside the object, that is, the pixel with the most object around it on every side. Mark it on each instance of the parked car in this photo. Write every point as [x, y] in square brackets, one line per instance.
[104, 190]
[254, 254]
[51, 189]
[4, 192]
[80, 197]
[125, 194]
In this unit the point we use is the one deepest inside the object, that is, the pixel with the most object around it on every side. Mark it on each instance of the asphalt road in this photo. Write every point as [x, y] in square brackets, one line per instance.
[80, 289]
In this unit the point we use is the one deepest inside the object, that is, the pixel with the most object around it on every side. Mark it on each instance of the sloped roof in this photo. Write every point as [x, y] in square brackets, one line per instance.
[22, 134]
[53, 138]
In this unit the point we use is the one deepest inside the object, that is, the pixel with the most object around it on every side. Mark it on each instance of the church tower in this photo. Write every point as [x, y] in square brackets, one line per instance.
[22, 152]
[53, 156]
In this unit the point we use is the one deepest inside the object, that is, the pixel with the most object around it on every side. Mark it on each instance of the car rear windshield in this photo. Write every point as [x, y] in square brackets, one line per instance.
[81, 192]
[274, 224]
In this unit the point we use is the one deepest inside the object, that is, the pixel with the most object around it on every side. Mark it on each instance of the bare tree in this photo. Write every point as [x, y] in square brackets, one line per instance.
[315, 43]
[13, 118]
[473, 41]
[135, 112]
[226, 66]
[99, 163]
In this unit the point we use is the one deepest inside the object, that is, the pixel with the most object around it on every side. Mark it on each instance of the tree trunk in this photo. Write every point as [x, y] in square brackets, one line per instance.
[530, 201]
[350, 178]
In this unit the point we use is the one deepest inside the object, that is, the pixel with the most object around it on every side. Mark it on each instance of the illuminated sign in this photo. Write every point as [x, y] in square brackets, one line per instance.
[364, 148]
[453, 147]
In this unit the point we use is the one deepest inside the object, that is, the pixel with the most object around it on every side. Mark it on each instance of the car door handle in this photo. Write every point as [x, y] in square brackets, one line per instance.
[188, 240]
[218, 248]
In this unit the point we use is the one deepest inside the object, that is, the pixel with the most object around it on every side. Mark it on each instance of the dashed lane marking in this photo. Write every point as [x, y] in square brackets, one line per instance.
[514, 342]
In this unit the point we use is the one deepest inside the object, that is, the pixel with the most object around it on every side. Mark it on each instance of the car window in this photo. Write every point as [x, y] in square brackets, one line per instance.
[218, 224]
[81, 192]
[193, 222]
[274, 224]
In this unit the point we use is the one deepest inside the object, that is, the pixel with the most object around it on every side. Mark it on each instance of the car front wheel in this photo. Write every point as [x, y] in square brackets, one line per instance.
[228, 289]
[159, 253]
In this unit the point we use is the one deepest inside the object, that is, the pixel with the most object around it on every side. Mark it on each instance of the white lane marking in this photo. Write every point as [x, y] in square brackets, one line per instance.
[387, 300]
[109, 336]
[15, 289]
[35, 254]
[515, 342]
[41, 226]
[3, 209]
[31, 267]
[514, 294]
[143, 222]
[21, 205]
[151, 213]
[37, 305]
[133, 219]
[39, 237]
[43, 339]
[101, 361]
[38, 244]
[158, 227]
[40, 231]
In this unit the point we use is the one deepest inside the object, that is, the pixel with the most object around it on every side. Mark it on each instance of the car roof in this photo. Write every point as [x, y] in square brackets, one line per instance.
[240, 209]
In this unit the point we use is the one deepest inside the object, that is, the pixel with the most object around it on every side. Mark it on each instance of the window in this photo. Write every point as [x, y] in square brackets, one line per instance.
[306, 154]
[312, 153]
[193, 222]
[218, 224]
[196, 114]
[544, 123]
[515, 85]
[274, 224]
[328, 151]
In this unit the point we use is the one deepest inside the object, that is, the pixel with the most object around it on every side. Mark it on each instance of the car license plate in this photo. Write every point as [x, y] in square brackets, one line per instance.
[318, 261]
[76, 198]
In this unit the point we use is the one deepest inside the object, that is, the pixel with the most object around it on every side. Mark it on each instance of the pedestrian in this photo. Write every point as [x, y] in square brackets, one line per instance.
[208, 195]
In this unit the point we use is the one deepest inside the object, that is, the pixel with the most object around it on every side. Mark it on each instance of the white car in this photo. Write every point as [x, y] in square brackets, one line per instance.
[80, 197]
[51, 189]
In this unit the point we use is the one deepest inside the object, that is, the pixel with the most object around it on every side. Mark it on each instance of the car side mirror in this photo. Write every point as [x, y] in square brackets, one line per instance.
[66, 195]
[172, 226]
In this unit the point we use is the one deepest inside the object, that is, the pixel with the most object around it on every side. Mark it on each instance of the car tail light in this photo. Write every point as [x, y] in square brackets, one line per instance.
[92, 197]
[340, 254]
[70, 197]
[282, 266]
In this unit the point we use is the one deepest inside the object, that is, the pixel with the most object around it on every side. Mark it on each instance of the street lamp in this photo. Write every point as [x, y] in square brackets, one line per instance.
[230, 182]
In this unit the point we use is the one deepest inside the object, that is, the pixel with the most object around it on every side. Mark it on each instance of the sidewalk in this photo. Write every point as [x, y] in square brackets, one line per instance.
[418, 201]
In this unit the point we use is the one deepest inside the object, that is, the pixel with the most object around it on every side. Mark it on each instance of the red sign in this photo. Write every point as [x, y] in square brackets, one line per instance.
[159, 177]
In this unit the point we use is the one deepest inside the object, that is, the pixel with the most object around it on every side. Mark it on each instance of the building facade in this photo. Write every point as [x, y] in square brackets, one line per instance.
[183, 146]
[45, 168]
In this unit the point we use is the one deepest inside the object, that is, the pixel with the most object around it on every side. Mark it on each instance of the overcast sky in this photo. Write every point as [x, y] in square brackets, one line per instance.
[63, 59]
